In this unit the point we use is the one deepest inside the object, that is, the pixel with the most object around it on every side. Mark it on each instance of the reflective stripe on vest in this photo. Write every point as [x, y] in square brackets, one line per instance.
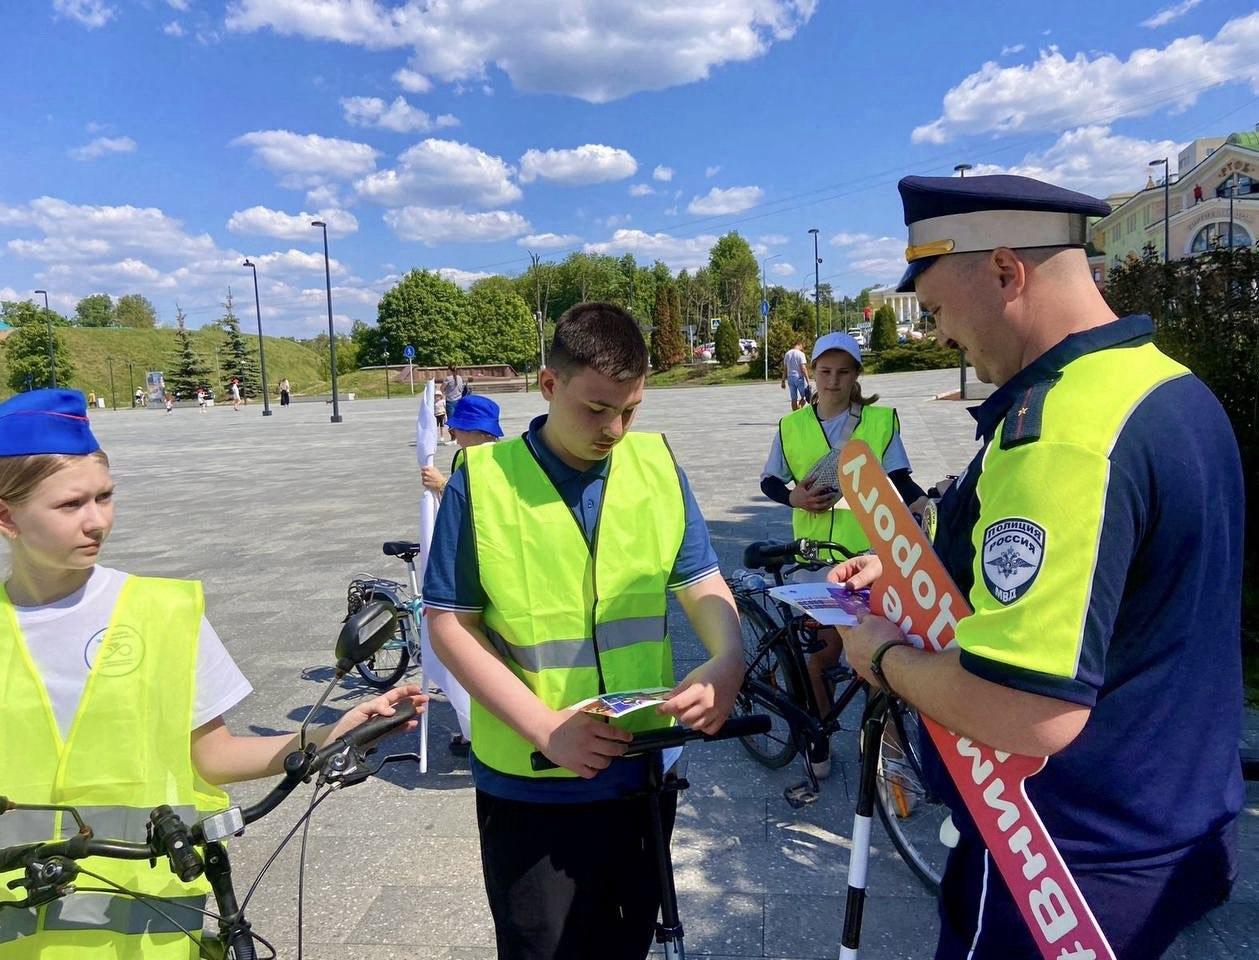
[127, 752]
[804, 443]
[571, 618]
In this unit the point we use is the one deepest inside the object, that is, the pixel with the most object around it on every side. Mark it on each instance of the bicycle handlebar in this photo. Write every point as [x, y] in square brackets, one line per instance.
[768, 555]
[675, 737]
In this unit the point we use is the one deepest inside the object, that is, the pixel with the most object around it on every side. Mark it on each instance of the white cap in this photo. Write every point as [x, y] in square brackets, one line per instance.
[836, 341]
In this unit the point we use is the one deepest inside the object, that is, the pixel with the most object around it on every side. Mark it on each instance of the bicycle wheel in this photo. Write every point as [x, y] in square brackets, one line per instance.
[913, 815]
[388, 665]
[767, 664]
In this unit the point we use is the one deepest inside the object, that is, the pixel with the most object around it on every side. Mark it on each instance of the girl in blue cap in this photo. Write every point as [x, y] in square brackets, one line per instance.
[474, 422]
[118, 686]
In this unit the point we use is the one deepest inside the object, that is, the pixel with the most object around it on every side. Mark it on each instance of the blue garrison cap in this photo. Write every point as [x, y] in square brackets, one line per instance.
[45, 421]
[475, 412]
[967, 214]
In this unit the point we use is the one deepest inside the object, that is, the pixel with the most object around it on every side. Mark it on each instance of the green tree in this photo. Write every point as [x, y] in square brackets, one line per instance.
[135, 311]
[237, 359]
[727, 343]
[501, 327]
[348, 356]
[190, 369]
[431, 314]
[26, 348]
[782, 337]
[736, 279]
[675, 311]
[667, 346]
[883, 330]
[96, 310]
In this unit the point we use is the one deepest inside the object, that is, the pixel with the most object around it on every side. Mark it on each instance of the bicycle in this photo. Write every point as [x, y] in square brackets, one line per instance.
[776, 640]
[390, 664]
[669, 933]
[51, 867]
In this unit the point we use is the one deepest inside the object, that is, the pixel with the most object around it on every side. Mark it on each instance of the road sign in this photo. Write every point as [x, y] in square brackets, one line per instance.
[408, 352]
[764, 308]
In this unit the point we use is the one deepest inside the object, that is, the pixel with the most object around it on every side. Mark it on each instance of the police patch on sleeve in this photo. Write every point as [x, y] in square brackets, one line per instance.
[1013, 552]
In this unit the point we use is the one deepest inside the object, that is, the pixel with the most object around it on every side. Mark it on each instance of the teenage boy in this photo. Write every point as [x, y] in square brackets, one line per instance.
[553, 556]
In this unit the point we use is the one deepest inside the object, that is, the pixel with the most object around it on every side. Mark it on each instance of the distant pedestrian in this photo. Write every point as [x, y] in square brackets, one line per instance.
[170, 404]
[454, 389]
[439, 414]
[138, 399]
[1197, 193]
[796, 375]
[201, 399]
[284, 392]
[235, 392]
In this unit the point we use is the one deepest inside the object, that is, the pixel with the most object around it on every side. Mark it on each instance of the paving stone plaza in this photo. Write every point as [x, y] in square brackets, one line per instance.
[276, 515]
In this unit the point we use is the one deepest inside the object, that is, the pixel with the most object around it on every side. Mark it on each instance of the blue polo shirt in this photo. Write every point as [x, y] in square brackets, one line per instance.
[1122, 595]
[452, 582]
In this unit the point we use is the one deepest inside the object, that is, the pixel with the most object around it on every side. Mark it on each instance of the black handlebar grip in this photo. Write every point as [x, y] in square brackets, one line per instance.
[676, 736]
[377, 727]
[766, 553]
[752, 726]
[14, 858]
[173, 839]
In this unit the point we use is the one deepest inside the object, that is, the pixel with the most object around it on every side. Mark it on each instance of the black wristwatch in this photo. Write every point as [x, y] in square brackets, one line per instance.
[876, 664]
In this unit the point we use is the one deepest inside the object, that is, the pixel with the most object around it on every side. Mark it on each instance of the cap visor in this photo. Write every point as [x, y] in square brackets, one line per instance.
[906, 284]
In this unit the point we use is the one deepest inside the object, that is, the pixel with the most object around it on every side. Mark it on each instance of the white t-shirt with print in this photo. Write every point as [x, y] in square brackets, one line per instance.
[64, 638]
[795, 361]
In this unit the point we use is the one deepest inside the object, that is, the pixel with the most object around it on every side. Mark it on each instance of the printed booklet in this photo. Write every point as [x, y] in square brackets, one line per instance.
[623, 702]
[829, 604]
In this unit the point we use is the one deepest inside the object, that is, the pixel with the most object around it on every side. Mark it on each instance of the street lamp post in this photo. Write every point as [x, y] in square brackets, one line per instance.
[113, 397]
[817, 299]
[262, 353]
[52, 352]
[385, 340]
[332, 337]
[961, 169]
[131, 383]
[1167, 208]
[1232, 192]
[765, 318]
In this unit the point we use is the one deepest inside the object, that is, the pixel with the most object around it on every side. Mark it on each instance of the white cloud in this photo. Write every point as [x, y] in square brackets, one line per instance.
[1091, 159]
[615, 220]
[774, 239]
[711, 172]
[446, 120]
[594, 51]
[783, 269]
[679, 253]
[90, 13]
[671, 211]
[442, 173]
[662, 173]
[462, 278]
[180, 5]
[1168, 14]
[434, 225]
[641, 190]
[101, 146]
[589, 163]
[398, 116]
[412, 82]
[173, 29]
[308, 160]
[549, 241]
[1055, 93]
[78, 231]
[1012, 49]
[324, 197]
[263, 221]
[731, 200]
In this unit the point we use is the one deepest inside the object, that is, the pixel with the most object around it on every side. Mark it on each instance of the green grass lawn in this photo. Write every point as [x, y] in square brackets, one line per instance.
[706, 375]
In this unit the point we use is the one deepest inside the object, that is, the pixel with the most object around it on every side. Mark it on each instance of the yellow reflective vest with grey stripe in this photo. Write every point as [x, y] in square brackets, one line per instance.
[804, 443]
[574, 618]
[127, 752]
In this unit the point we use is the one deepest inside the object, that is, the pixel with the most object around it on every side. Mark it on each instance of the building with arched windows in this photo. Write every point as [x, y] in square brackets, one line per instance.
[1209, 171]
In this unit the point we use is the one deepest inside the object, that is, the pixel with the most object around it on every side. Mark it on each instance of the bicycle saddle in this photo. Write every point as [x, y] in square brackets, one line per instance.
[402, 548]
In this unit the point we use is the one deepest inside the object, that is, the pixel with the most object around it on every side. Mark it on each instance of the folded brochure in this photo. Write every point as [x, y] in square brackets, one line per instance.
[829, 604]
[623, 702]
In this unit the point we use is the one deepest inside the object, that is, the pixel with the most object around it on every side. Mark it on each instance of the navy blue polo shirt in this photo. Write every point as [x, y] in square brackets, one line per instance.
[452, 582]
[1121, 594]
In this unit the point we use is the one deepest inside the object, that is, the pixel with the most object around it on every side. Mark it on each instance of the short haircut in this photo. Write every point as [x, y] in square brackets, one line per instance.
[601, 336]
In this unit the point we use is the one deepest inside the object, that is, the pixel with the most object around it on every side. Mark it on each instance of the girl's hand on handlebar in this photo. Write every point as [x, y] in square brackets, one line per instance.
[856, 573]
[806, 496]
[582, 743]
[381, 706]
[705, 698]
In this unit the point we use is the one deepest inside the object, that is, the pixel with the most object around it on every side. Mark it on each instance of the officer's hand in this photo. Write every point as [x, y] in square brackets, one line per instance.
[864, 640]
[705, 698]
[582, 743]
[382, 706]
[807, 496]
[856, 573]
[433, 479]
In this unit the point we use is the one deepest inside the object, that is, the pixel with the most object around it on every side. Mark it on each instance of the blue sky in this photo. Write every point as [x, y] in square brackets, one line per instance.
[149, 145]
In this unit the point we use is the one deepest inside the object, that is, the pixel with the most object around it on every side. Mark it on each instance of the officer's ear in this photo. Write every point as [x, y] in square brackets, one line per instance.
[1011, 273]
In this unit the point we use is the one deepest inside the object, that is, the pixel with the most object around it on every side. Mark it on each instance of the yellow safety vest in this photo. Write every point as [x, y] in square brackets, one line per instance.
[804, 443]
[127, 752]
[574, 619]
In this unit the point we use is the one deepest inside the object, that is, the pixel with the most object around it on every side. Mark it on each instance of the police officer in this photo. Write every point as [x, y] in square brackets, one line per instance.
[1097, 534]
[554, 553]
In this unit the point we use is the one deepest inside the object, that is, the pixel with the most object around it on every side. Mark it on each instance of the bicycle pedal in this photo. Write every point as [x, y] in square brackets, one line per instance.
[801, 795]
